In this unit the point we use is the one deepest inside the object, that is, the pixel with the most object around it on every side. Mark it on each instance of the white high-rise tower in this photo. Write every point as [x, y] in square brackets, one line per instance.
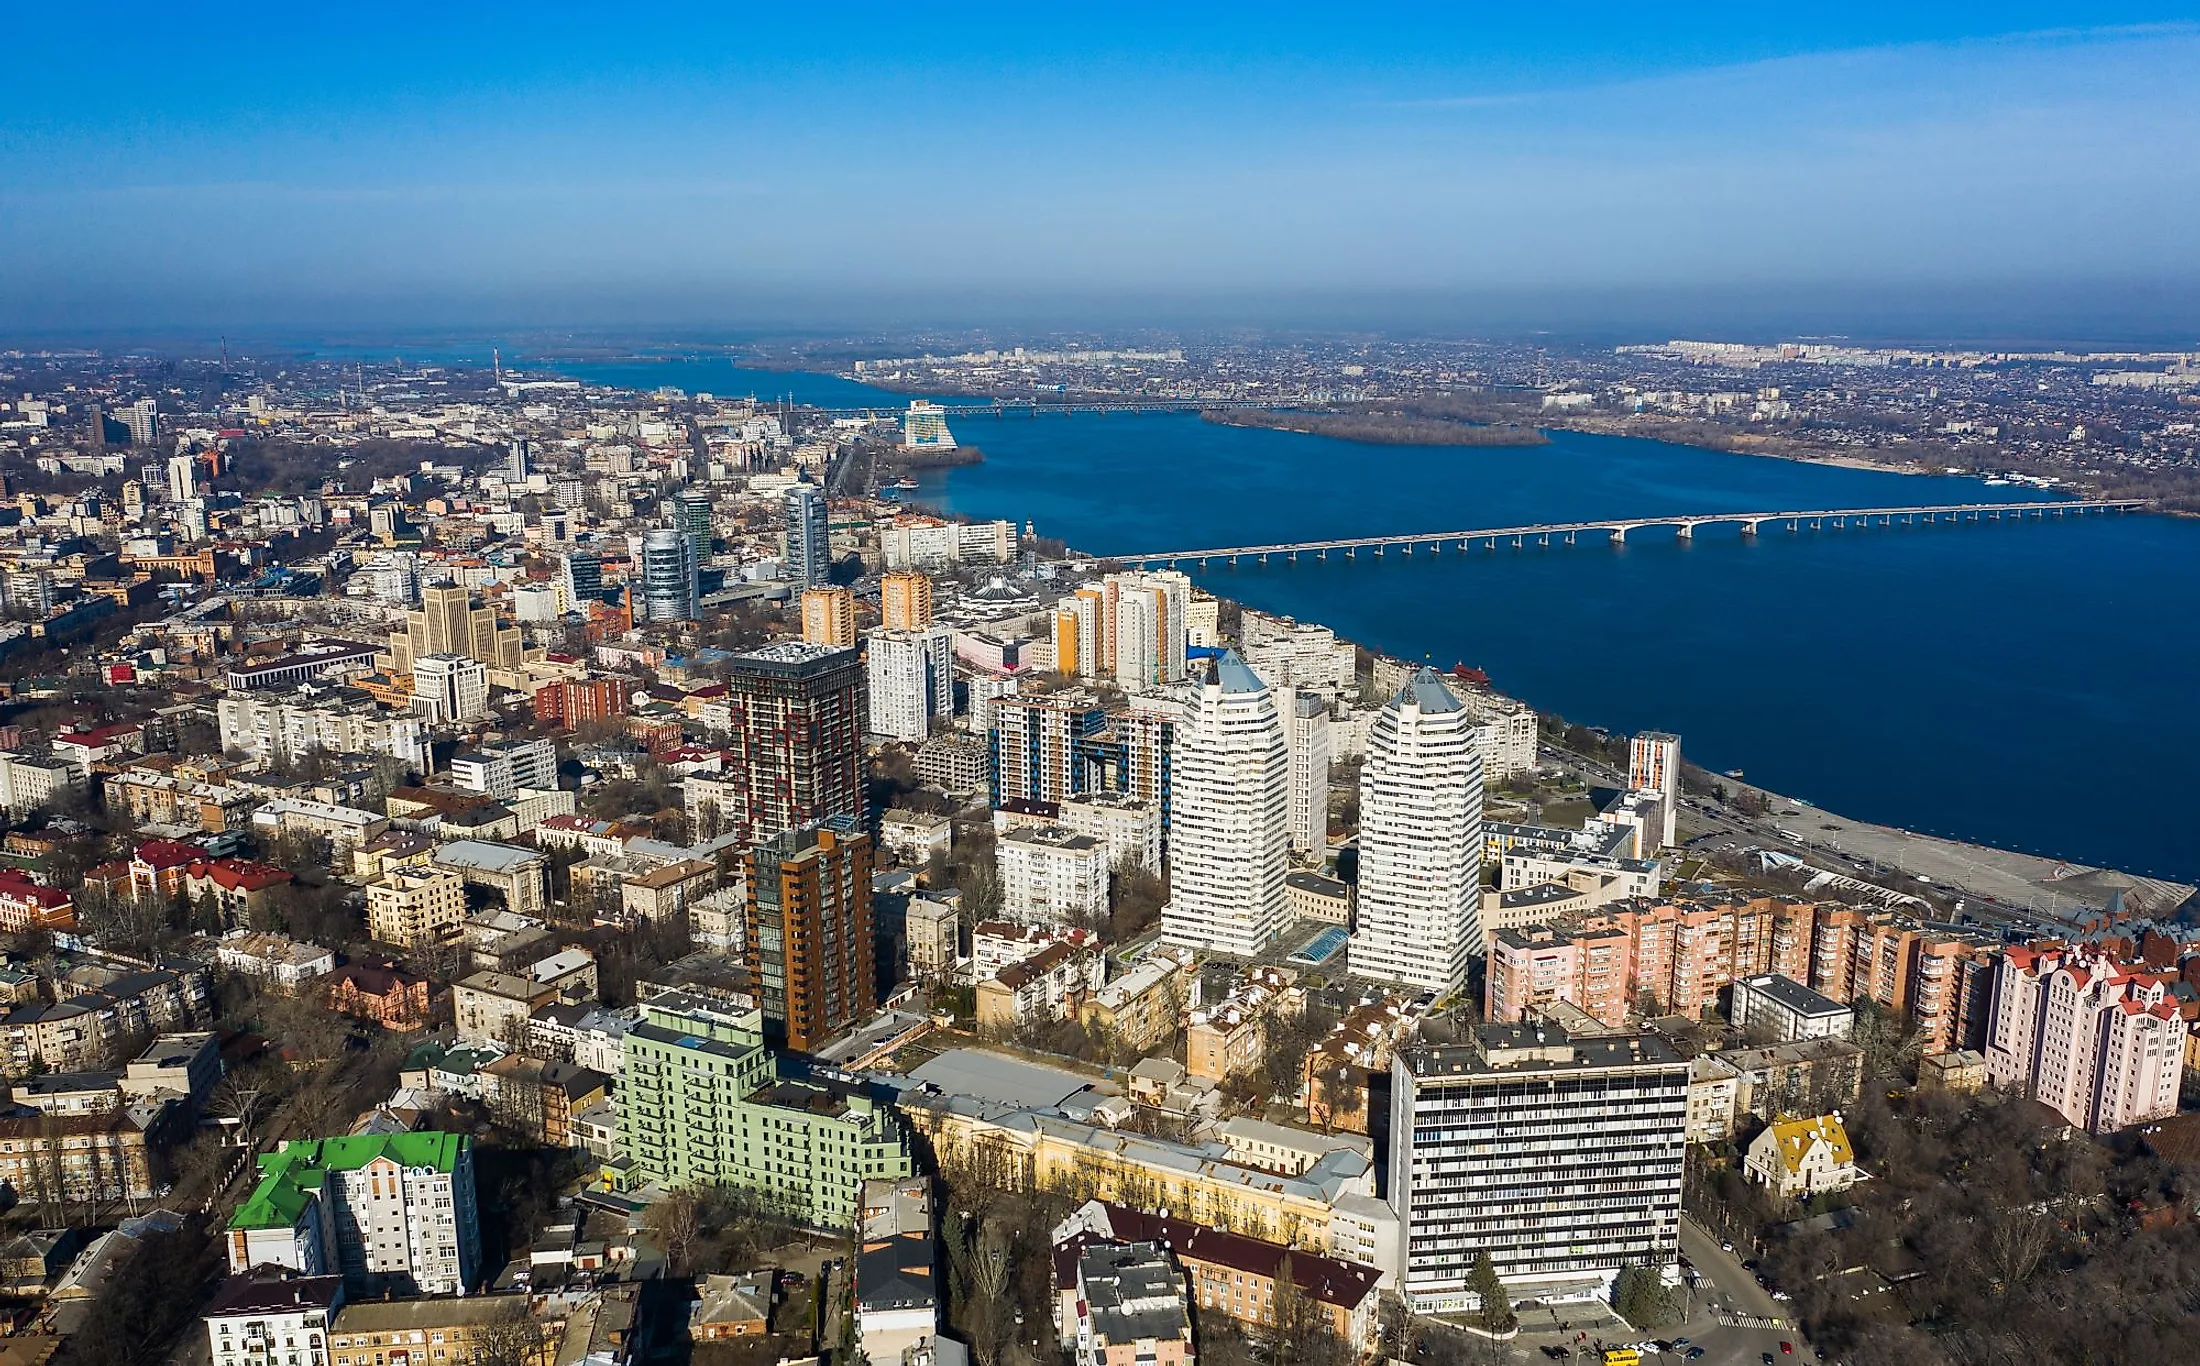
[1228, 833]
[1420, 841]
[1306, 735]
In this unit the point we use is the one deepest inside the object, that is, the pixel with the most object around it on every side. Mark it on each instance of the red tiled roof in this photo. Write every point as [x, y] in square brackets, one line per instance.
[166, 854]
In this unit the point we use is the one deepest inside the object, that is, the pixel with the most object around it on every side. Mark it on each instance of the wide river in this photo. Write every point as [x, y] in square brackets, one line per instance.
[2030, 685]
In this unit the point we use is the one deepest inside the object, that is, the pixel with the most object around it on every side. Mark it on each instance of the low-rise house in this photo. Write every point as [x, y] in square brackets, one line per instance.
[1047, 987]
[272, 959]
[263, 1320]
[664, 892]
[897, 1284]
[183, 1068]
[914, 837]
[90, 1158]
[1229, 1038]
[238, 887]
[1799, 1158]
[27, 904]
[391, 999]
[494, 1006]
[733, 1307]
[1340, 1067]
[1142, 1007]
[1124, 1304]
[481, 1328]
[1239, 1278]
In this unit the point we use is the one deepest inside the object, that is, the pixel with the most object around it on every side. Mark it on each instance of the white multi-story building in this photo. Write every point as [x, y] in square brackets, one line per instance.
[1297, 655]
[1129, 826]
[448, 688]
[1783, 1010]
[501, 768]
[28, 784]
[1560, 1157]
[1654, 765]
[1506, 730]
[277, 728]
[1228, 836]
[1145, 627]
[1051, 875]
[1420, 841]
[1306, 734]
[911, 676]
[394, 1212]
[262, 1321]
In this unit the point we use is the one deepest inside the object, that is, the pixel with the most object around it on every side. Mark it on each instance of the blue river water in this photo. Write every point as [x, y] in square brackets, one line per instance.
[2026, 685]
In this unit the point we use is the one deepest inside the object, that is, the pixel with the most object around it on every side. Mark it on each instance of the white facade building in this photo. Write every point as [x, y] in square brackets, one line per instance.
[1050, 875]
[449, 688]
[1560, 1157]
[1148, 611]
[1420, 841]
[1129, 826]
[1228, 831]
[911, 676]
[1782, 1010]
[1654, 765]
[501, 769]
[1306, 734]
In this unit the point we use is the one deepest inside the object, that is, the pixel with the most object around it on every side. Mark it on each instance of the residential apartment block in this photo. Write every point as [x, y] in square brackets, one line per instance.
[1560, 1157]
[394, 1212]
[700, 1103]
[2095, 1040]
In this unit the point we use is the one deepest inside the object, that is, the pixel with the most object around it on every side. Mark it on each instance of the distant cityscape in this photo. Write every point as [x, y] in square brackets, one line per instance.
[507, 869]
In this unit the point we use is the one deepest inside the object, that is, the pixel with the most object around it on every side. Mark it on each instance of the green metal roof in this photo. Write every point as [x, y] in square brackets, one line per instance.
[294, 1174]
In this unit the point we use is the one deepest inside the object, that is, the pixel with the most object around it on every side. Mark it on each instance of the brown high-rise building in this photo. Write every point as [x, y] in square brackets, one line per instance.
[810, 955]
[448, 623]
[797, 716]
[905, 601]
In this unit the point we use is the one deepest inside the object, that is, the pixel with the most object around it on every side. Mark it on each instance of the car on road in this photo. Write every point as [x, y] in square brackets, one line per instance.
[1787, 1349]
[1768, 1359]
[1694, 1354]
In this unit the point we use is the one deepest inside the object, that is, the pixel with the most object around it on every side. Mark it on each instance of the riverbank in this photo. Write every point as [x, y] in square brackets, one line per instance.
[1377, 427]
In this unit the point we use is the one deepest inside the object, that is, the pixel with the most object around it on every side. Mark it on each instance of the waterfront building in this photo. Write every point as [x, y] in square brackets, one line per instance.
[1654, 765]
[808, 938]
[905, 601]
[1228, 836]
[924, 427]
[669, 575]
[1420, 842]
[1559, 1157]
[1306, 735]
[809, 556]
[700, 1104]
[829, 616]
[1302, 656]
[795, 711]
[388, 1212]
[2099, 1042]
[911, 678]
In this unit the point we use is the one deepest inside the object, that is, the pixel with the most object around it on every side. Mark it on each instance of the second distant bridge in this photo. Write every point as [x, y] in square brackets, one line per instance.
[1616, 529]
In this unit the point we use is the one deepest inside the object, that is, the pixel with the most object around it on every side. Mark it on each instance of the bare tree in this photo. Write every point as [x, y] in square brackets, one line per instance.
[676, 1221]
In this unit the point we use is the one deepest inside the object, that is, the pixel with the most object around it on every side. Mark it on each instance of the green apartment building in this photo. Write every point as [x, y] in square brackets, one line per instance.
[700, 1104]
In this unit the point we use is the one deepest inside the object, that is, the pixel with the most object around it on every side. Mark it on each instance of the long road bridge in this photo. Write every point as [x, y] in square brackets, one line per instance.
[1616, 529]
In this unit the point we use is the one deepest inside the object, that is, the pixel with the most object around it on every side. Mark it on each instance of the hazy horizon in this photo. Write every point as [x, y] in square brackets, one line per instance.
[2012, 173]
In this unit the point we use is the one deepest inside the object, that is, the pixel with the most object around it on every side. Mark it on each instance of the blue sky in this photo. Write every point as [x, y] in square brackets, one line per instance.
[550, 163]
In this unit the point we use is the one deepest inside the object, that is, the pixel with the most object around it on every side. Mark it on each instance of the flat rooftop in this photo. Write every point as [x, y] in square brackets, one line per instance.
[1000, 1078]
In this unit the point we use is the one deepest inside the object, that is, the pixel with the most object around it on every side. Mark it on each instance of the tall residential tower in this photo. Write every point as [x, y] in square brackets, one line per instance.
[1228, 830]
[1420, 841]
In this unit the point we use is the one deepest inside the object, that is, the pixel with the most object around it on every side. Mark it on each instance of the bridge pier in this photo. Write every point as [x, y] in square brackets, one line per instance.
[1686, 531]
[1619, 535]
[1569, 538]
[1749, 531]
